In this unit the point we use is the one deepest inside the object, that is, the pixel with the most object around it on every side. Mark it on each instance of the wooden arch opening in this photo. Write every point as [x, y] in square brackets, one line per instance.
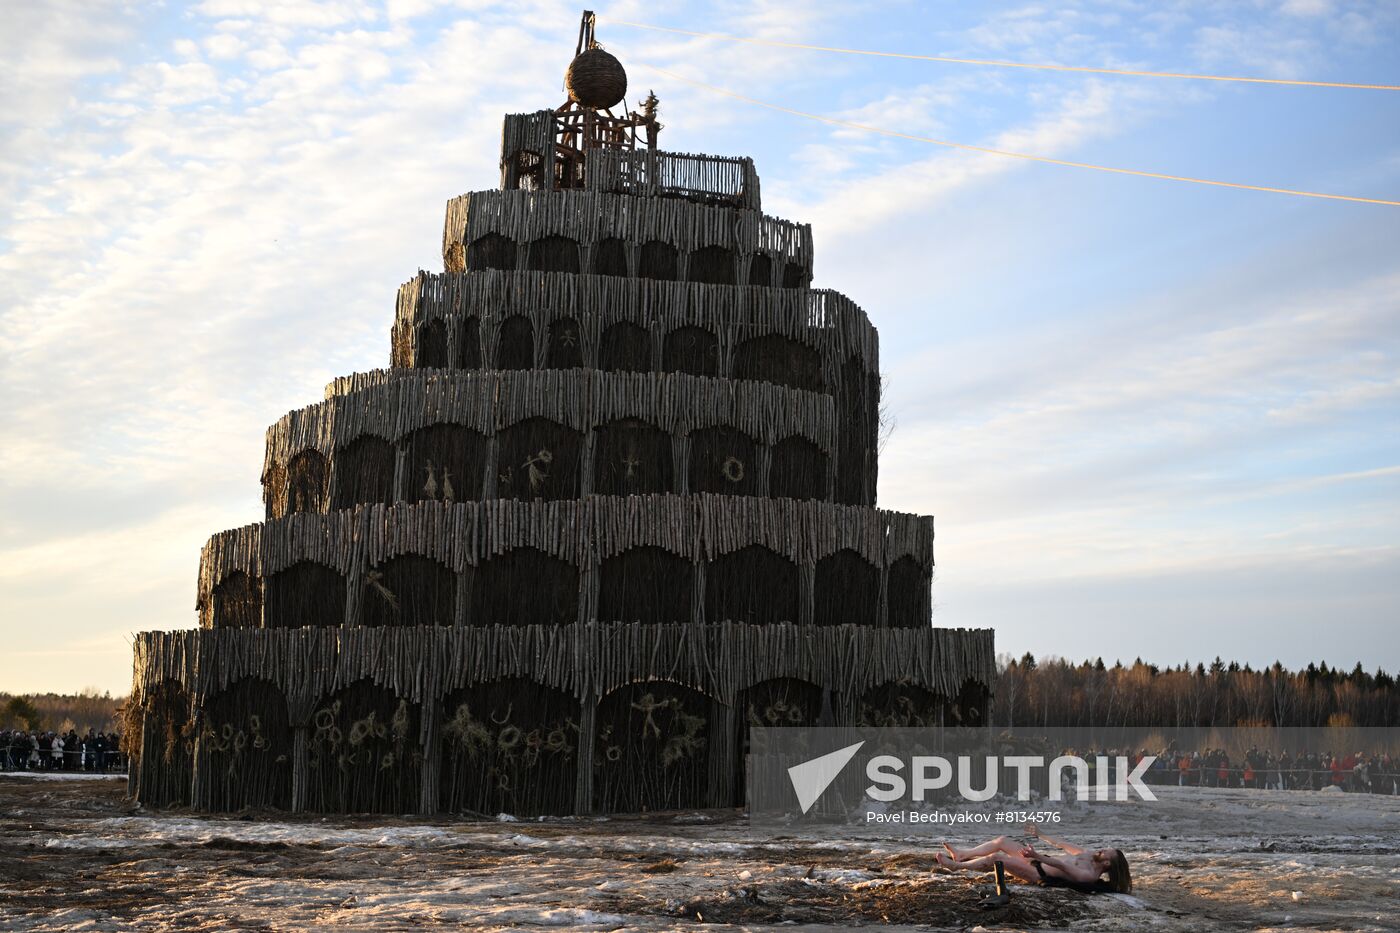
[761, 270]
[630, 458]
[858, 424]
[711, 264]
[752, 584]
[238, 601]
[724, 460]
[306, 593]
[432, 345]
[247, 738]
[779, 703]
[509, 746]
[645, 584]
[795, 275]
[969, 707]
[847, 590]
[565, 345]
[798, 469]
[409, 589]
[625, 347]
[693, 350]
[658, 260]
[524, 586]
[780, 360]
[364, 472]
[274, 481]
[491, 251]
[515, 343]
[444, 461]
[610, 257]
[653, 748]
[365, 755]
[907, 594]
[537, 459]
[165, 768]
[553, 254]
[469, 344]
[899, 705]
[307, 476]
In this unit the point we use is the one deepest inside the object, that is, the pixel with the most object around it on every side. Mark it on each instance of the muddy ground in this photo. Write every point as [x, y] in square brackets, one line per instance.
[76, 855]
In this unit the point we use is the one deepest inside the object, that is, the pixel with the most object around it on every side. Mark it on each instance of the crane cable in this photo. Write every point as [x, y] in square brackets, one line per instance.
[1003, 64]
[987, 150]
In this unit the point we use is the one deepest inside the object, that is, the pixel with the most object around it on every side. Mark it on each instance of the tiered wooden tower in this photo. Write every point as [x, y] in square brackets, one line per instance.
[613, 503]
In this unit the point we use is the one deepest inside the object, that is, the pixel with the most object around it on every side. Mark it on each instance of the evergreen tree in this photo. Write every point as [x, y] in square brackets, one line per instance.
[21, 713]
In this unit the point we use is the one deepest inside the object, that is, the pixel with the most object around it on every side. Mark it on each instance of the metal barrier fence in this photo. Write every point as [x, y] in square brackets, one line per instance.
[1270, 777]
[25, 758]
[1265, 775]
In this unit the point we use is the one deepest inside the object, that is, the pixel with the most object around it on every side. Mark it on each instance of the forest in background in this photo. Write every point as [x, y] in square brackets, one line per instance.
[1051, 692]
[1054, 692]
[43, 712]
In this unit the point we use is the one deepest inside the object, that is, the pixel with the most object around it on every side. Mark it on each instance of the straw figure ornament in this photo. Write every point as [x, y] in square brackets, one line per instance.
[536, 467]
[430, 488]
[611, 504]
[375, 579]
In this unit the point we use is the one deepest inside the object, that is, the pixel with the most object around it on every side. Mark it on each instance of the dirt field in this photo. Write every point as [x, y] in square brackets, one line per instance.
[75, 855]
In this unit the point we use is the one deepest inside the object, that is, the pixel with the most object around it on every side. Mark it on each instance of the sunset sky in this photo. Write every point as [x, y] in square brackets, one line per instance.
[1152, 419]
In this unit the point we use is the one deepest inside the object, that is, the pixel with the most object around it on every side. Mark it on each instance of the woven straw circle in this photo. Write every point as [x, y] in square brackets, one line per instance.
[596, 79]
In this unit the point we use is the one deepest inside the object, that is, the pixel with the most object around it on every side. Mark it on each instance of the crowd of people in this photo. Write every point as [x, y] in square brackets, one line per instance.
[99, 752]
[1262, 769]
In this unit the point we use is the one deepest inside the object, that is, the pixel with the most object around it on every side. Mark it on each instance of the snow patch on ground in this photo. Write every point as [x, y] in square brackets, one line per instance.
[1205, 859]
[60, 776]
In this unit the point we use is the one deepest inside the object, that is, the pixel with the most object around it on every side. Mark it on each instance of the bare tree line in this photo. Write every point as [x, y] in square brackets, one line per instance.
[1057, 693]
[87, 709]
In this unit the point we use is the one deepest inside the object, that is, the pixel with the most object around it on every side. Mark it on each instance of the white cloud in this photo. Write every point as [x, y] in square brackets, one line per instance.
[47, 53]
[1271, 55]
[319, 14]
[1306, 7]
[197, 237]
[859, 204]
[167, 85]
[224, 46]
[178, 275]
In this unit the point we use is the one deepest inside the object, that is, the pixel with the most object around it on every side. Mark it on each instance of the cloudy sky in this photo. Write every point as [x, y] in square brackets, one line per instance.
[1152, 419]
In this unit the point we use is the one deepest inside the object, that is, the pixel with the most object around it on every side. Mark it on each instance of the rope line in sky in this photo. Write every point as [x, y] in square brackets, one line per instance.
[1004, 64]
[1007, 153]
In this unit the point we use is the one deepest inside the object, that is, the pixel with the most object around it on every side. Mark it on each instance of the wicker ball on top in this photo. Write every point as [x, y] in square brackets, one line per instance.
[596, 79]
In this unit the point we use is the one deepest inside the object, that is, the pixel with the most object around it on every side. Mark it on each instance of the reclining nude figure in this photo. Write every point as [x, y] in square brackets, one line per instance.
[1081, 869]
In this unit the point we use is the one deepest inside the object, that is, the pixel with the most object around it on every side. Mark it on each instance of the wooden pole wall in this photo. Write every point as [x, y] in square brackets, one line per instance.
[418, 664]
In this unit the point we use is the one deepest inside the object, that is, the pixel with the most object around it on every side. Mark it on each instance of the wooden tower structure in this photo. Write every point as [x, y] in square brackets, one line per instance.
[612, 503]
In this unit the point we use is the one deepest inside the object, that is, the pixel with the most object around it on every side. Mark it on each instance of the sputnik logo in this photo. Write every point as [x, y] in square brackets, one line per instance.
[811, 778]
[925, 773]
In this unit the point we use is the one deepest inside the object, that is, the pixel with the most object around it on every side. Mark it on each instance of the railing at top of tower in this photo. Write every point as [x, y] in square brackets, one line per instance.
[708, 179]
[528, 160]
